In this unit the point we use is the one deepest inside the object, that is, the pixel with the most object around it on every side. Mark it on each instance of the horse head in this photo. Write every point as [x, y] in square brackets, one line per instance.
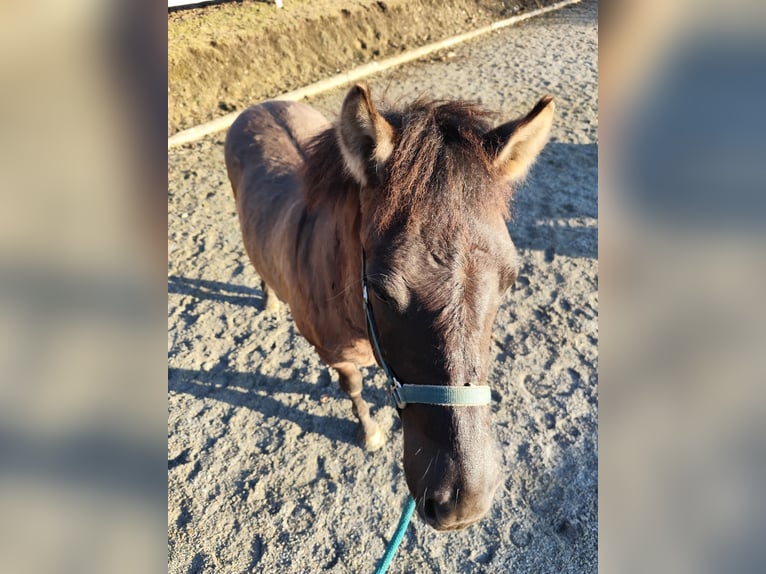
[434, 183]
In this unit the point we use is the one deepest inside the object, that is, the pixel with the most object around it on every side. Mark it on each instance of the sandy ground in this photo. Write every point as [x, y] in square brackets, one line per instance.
[264, 472]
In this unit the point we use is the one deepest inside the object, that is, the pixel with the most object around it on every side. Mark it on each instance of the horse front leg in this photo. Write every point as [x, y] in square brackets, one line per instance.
[351, 382]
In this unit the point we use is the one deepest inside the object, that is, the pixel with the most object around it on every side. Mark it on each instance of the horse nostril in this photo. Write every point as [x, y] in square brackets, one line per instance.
[429, 510]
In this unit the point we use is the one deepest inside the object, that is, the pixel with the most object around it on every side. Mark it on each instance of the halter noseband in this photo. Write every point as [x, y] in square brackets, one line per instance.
[404, 394]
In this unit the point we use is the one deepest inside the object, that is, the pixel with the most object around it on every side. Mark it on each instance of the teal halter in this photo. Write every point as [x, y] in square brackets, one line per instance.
[403, 394]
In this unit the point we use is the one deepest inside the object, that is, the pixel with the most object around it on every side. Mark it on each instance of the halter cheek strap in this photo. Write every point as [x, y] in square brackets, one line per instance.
[403, 394]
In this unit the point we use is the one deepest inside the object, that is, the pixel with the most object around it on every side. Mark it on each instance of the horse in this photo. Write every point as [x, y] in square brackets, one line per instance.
[412, 203]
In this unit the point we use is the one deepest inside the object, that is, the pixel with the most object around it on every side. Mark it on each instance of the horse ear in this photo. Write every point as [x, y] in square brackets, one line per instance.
[516, 144]
[366, 139]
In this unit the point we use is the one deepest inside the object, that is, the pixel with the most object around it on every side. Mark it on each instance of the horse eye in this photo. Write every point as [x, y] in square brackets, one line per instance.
[383, 296]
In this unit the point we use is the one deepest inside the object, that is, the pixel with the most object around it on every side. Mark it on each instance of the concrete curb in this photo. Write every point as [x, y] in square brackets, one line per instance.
[222, 123]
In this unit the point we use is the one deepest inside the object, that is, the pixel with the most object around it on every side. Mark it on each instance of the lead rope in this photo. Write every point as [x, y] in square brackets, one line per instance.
[393, 546]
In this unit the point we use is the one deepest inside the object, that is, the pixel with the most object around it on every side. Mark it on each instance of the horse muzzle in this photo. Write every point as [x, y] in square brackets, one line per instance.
[452, 490]
[455, 508]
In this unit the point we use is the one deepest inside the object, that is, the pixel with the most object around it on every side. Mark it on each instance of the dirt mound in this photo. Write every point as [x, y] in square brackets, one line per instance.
[225, 57]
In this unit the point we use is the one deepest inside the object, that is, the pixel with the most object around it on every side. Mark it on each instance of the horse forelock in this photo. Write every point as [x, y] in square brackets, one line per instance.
[440, 170]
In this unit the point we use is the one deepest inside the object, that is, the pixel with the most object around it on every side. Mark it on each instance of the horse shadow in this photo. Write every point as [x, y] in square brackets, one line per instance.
[217, 291]
[552, 212]
[254, 391]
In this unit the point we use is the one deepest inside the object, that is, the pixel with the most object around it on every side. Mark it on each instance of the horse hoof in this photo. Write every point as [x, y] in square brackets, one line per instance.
[272, 305]
[374, 440]
[271, 301]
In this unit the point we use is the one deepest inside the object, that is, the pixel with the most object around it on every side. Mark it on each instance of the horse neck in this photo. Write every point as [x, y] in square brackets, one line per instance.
[338, 256]
[346, 217]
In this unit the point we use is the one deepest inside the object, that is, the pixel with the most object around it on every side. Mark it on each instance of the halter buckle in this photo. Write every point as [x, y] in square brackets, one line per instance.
[396, 388]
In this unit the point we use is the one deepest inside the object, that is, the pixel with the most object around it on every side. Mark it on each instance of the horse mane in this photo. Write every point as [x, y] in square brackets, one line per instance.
[439, 171]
